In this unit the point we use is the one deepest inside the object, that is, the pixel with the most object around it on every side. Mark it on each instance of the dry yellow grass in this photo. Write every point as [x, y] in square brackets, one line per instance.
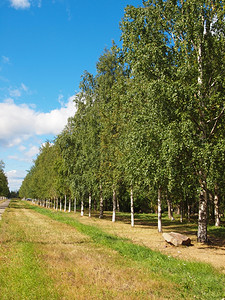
[149, 236]
[79, 268]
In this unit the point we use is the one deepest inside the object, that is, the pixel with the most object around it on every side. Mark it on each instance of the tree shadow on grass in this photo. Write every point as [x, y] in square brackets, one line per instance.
[146, 221]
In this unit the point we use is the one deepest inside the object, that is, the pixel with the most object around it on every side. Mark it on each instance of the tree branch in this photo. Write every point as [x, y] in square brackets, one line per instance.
[216, 121]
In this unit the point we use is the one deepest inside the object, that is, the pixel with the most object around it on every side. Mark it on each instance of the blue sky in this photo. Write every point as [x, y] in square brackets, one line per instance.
[46, 45]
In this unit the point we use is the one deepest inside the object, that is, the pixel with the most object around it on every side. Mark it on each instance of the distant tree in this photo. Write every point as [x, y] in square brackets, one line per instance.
[4, 189]
[14, 194]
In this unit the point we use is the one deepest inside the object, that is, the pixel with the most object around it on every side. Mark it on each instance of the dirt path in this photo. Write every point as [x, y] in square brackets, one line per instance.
[3, 206]
[213, 254]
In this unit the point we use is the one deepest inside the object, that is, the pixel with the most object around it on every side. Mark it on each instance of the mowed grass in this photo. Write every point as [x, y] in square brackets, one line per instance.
[70, 260]
[21, 274]
[194, 280]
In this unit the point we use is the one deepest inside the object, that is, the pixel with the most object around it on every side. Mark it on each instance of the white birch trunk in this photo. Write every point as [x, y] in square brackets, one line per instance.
[132, 206]
[202, 217]
[117, 204]
[82, 208]
[170, 210]
[89, 200]
[181, 212]
[69, 204]
[65, 204]
[60, 204]
[114, 206]
[75, 205]
[200, 67]
[189, 213]
[216, 209]
[57, 204]
[159, 211]
[101, 203]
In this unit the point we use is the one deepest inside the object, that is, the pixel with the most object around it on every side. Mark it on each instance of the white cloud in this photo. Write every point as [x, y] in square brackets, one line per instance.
[39, 3]
[45, 144]
[60, 99]
[34, 150]
[2, 78]
[24, 87]
[20, 4]
[55, 121]
[15, 179]
[25, 156]
[20, 122]
[22, 148]
[15, 93]
[24, 4]
[5, 59]
[9, 101]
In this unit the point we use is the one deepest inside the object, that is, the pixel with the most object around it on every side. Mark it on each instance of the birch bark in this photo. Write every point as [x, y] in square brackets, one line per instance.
[118, 204]
[170, 210]
[75, 205]
[189, 213]
[202, 217]
[202, 211]
[89, 214]
[101, 203]
[181, 212]
[60, 204]
[114, 206]
[159, 211]
[132, 206]
[82, 208]
[65, 204]
[69, 205]
[216, 208]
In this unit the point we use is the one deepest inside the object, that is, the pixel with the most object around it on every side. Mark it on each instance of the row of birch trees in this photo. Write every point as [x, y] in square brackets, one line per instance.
[149, 127]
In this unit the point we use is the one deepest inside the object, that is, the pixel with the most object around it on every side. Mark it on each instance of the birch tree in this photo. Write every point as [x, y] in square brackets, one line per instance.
[180, 44]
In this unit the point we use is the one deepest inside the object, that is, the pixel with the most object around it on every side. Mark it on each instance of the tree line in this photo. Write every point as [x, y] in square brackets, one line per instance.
[148, 133]
[4, 189]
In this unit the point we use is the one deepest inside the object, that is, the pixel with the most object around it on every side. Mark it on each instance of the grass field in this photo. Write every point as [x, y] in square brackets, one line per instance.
[55, 255]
